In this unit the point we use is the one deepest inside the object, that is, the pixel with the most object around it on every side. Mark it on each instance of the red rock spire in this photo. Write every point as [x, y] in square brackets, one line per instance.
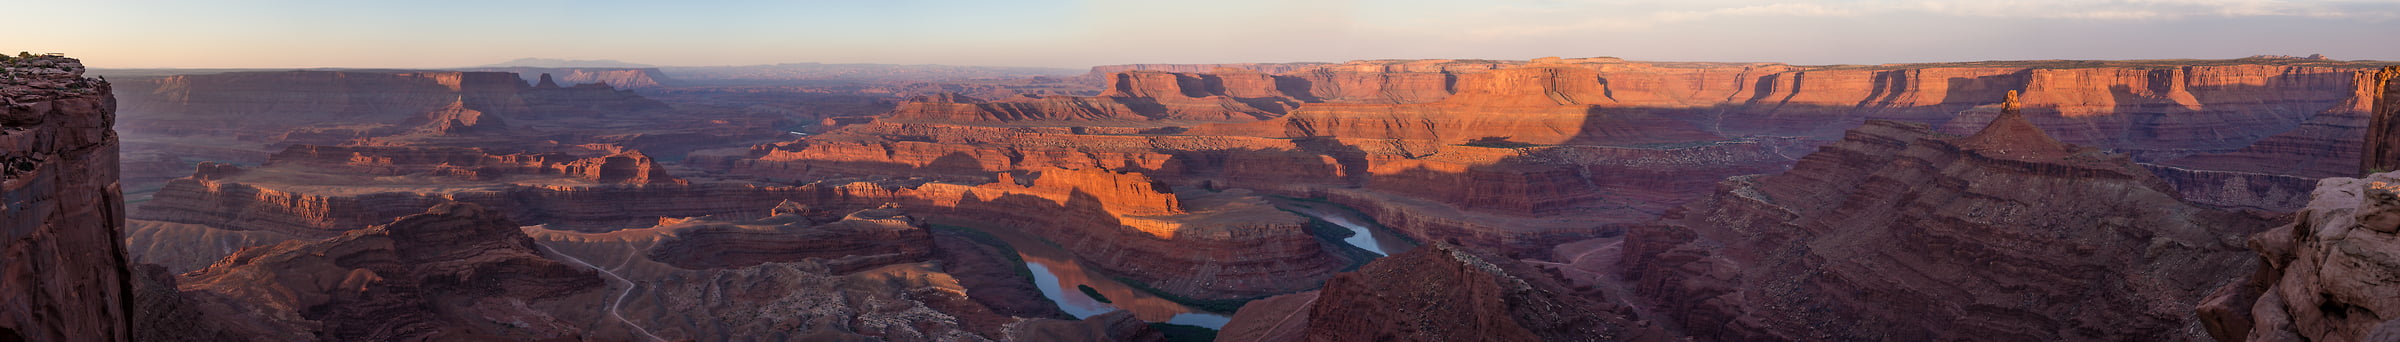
[546, 82]
[2012, 135]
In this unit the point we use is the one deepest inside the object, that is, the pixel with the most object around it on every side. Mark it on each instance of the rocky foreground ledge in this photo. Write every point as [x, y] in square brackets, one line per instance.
[2327, 276]
[65, 278]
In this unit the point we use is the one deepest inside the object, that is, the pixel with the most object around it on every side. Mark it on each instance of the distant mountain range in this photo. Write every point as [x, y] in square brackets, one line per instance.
[565, 63]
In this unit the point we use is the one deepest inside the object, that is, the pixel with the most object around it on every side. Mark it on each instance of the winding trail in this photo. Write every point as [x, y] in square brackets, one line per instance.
[612, 306]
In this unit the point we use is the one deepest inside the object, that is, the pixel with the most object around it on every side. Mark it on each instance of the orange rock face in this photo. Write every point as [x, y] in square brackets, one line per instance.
[66, 277]
[2382, 150]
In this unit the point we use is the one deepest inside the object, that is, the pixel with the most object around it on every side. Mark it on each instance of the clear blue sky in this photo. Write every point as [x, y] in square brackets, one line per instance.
[1072, 33]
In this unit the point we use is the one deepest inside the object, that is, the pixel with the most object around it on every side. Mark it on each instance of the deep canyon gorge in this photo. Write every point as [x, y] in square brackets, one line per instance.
[1551, 199]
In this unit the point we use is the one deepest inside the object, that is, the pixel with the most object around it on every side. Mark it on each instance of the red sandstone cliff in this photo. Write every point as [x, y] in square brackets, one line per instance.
[1129, 96]
[1899, 233]
[2246, 133]
[66, 277]
[2382, 152]
[2327, 276]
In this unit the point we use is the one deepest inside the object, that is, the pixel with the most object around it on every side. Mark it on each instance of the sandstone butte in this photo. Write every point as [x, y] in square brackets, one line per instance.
[1901, 233]
[66, 277]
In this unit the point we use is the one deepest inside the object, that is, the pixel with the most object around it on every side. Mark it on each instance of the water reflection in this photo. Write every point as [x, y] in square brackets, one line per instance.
[1372, 240]
[1058, 273]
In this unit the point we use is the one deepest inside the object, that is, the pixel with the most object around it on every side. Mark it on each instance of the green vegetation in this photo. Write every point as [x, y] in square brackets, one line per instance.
[1095, 294]
[1185, 333]
[2371, 172]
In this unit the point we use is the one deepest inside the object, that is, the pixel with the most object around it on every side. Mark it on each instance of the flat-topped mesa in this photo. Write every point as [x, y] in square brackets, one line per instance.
[1128, 193]
[307, 97]
[61, 212]
[1271, 68]
[629, 167]
[2382, 153]
[863, 239]
[1551, 103]
[1128, 96]
[457, 119]
[455, 271]
[621, 167]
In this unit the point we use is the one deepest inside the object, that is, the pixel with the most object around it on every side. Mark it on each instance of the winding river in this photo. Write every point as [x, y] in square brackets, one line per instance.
[1058, 273]
[1380, 242]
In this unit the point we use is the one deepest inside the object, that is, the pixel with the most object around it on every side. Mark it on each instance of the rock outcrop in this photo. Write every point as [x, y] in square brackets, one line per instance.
[867, 238]
[456, 119]
[623, 167]
[2327, 276]
[1900, 233]
[207, 103]
[66, 277]
[623, 78]
[1436, 293]
[456, 271]
[2382, 152]
[1129, 96]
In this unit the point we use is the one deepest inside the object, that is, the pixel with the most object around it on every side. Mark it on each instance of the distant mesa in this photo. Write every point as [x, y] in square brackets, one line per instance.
[565, 63]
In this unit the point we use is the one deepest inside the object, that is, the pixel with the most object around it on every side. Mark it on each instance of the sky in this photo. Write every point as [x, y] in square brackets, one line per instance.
[1082, 33]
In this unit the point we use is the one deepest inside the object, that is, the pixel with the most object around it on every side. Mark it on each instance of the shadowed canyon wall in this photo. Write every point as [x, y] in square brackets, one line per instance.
[1900, 233]
[66, 277]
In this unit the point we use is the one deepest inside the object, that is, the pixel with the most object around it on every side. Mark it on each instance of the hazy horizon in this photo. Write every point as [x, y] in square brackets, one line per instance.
[1079, 34]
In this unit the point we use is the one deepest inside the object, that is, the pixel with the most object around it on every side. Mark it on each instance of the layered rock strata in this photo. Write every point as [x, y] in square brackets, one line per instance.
[300, 97]
[66, 277]
[2327, 276]
[855, 288]
[2382, 151]
[624, 167]
[866, 238]
[1900, 233]
[1437, 293]
[457, 271]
